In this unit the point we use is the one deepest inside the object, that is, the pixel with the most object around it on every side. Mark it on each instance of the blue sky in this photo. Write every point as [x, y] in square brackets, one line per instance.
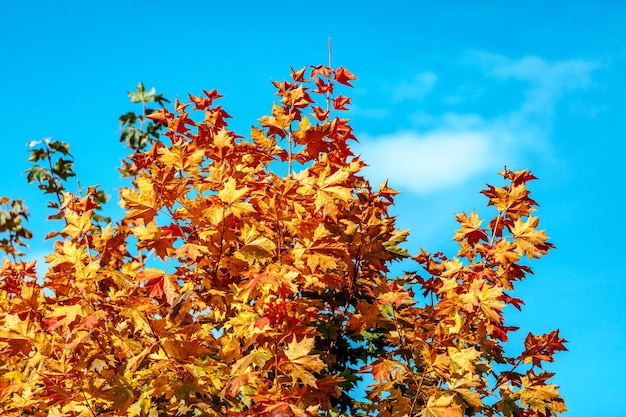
[447, 95]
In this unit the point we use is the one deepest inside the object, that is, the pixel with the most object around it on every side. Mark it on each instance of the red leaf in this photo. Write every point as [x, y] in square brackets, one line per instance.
[321, 70]
[343, 76]
[322, 86]
[298, 76]
[320, 114]
[339, 103]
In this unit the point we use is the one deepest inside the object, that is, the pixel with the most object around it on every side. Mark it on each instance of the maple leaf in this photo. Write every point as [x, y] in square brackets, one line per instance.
[63, 316]
[490, 302]
[299, 353]
[279, 123]
[323, 87]
[470, 228]
[542, 348]
[255, 246]
[191, 251]
[66, 252]
[257, 359]
[530, 241]
[340, 102]
[322, 70]
[343, 76]
[445, 411]
[320, 114]
[230, 193]
[159, 284]
[179, 158]
[464, 359]
[518, 177]
[505, 253]
[141, 205]
[397, 237]
[202, 103]
[160, 115]
[223, 139]
[298, 76]
[77, 224]
[539, 396]
[442, 406]
[296, 98]
[385, 369]
[18, 333]
[397, 296]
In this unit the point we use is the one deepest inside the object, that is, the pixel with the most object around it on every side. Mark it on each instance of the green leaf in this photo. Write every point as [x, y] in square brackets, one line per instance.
[37, 173]
[61, 147]
[37, 155]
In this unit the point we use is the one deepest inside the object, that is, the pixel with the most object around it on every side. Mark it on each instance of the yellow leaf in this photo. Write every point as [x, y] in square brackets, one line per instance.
[134, 362]
[229, 194]
[458, 323]
[463, 360]
[149, 232]
[442, 406]
[77, 225]
[140, 205]
[256, 246]
[55, 412]
[530, 241]
[63, 316]
[257, 358]
[470, 228]
[14, 376]
[448, 411]
[66, 252]
[180, 158]
[539, 396]
[279, 123]
[298, 352]
[222, 139]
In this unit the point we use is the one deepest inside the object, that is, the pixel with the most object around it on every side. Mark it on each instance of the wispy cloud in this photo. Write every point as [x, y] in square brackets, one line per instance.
[416, 89]
[444, 150]
[546, 81]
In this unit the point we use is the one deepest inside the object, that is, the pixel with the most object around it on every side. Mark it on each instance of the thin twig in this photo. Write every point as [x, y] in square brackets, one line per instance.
[330, 69]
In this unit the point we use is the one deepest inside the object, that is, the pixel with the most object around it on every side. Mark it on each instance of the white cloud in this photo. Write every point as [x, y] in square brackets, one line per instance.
[424, 162]
[455, 147]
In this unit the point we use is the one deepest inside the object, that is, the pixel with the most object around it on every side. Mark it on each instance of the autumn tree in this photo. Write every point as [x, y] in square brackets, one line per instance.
[251, 276]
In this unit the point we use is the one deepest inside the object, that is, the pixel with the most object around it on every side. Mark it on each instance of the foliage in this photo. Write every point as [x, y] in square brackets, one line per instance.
[12, 212]
[230, 288]
[138, 132]
[51, 179]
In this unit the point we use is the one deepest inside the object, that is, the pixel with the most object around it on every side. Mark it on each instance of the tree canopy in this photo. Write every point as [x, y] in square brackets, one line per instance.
[251, 276]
